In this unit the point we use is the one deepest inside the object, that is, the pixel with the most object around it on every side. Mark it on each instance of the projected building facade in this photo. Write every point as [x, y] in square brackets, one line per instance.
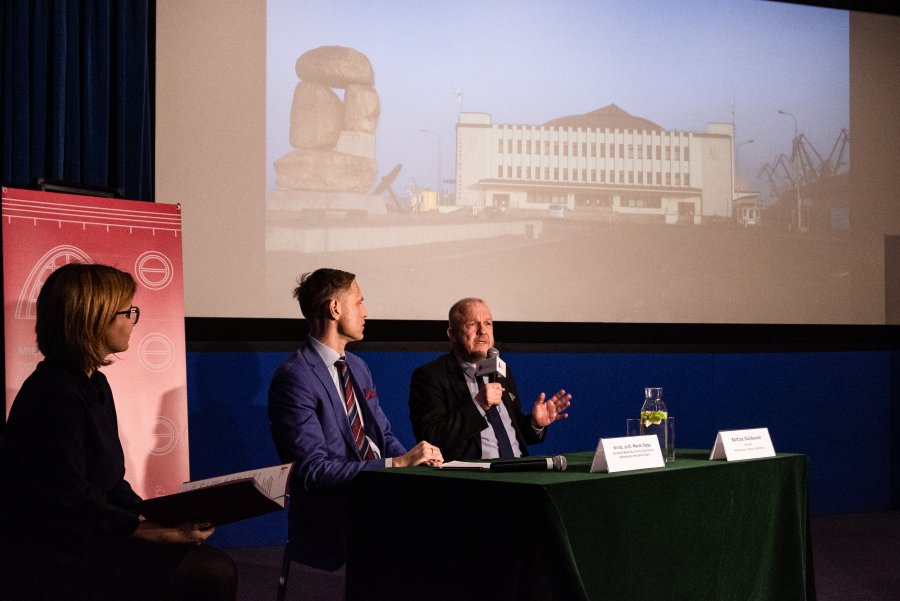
[607, 163]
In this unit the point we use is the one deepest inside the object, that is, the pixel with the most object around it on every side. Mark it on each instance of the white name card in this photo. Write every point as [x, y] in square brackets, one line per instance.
[734, 445]
[627, 453]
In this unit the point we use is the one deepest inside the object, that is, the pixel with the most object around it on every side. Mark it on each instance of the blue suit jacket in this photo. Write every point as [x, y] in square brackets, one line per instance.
[310, 427]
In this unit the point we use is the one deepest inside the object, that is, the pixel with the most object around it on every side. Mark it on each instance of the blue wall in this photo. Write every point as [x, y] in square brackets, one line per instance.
[833, 406]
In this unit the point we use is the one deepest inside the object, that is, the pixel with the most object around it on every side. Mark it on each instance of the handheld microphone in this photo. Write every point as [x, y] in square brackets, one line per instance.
[557, 463]
[492, 366]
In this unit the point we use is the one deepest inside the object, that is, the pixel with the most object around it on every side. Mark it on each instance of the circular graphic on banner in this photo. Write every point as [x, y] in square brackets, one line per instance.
[154, 270]
[156, 352]
[165, 434]
[26, 307]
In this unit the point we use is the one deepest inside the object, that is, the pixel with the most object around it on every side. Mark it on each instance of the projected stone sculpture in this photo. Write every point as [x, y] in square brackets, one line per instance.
[333, 139]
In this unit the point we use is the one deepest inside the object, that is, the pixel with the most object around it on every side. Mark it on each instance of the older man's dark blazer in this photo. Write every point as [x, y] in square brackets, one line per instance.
[442, 412]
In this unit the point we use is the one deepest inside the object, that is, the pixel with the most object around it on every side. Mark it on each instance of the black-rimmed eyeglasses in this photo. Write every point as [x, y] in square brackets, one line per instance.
[133, 313]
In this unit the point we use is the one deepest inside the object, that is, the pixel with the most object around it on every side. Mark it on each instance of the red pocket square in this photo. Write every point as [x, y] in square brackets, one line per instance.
[369, 393]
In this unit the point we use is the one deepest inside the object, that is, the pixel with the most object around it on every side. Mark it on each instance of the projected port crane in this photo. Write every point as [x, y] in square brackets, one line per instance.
[821, 182]
[812, 167]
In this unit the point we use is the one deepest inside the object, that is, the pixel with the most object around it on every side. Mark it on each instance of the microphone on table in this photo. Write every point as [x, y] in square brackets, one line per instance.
[557, 463]
[491, 366]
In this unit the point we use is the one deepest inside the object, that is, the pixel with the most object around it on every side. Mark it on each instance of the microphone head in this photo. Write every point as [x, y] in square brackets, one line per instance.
[491, 366]
[559, 463]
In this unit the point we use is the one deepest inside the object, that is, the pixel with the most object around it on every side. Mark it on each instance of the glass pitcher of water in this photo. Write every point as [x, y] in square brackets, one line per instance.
[654, 416]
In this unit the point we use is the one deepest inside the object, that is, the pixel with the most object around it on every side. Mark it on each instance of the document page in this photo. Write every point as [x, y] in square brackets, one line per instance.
[273, 481]
[465, 465]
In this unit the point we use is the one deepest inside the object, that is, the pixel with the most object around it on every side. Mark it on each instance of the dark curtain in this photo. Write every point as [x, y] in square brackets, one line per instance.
[77, 93]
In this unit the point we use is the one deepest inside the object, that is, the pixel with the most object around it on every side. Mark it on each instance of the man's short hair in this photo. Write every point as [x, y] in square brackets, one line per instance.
[455, 316]
[316, 289]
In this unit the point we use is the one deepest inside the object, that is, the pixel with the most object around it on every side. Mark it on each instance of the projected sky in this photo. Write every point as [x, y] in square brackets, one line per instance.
[679, 64]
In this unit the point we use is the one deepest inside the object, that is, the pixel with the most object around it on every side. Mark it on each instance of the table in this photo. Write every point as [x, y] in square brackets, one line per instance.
[695, 530]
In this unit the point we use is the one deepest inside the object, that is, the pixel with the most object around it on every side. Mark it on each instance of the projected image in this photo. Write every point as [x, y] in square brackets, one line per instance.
[569, 161]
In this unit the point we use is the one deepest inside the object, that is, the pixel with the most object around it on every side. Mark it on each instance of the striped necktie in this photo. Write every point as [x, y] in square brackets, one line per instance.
[352, 407]
[504, 446]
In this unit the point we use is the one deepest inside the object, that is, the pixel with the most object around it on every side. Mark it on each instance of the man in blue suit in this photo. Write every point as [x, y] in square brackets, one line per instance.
[325, 417]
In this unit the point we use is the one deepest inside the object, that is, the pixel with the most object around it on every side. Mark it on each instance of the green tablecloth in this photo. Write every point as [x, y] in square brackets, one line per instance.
[694, 530]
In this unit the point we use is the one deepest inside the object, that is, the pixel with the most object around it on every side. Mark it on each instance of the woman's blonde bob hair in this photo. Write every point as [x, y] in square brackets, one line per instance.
[75, 308]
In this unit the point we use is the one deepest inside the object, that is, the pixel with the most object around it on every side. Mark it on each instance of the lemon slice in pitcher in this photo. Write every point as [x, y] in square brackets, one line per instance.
[653, 417]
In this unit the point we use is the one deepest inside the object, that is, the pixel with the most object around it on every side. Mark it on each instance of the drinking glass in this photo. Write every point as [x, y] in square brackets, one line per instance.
[670, 439]
[632, 426]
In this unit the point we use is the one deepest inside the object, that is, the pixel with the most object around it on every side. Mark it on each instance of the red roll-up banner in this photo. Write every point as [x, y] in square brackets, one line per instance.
[43, 230]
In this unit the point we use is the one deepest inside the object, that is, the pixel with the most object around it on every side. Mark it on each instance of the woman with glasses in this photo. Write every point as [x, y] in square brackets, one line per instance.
[68, 529]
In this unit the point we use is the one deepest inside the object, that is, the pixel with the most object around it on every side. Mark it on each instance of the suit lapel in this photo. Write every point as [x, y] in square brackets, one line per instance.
[457, 379]
[508, 402]
[321, 372]
[370, 426]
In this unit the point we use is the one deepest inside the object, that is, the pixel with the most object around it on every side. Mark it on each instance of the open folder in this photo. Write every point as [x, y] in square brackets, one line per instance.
[222, 499]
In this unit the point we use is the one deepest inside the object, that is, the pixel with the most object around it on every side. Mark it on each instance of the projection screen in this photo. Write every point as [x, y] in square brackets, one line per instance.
[577, 161]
